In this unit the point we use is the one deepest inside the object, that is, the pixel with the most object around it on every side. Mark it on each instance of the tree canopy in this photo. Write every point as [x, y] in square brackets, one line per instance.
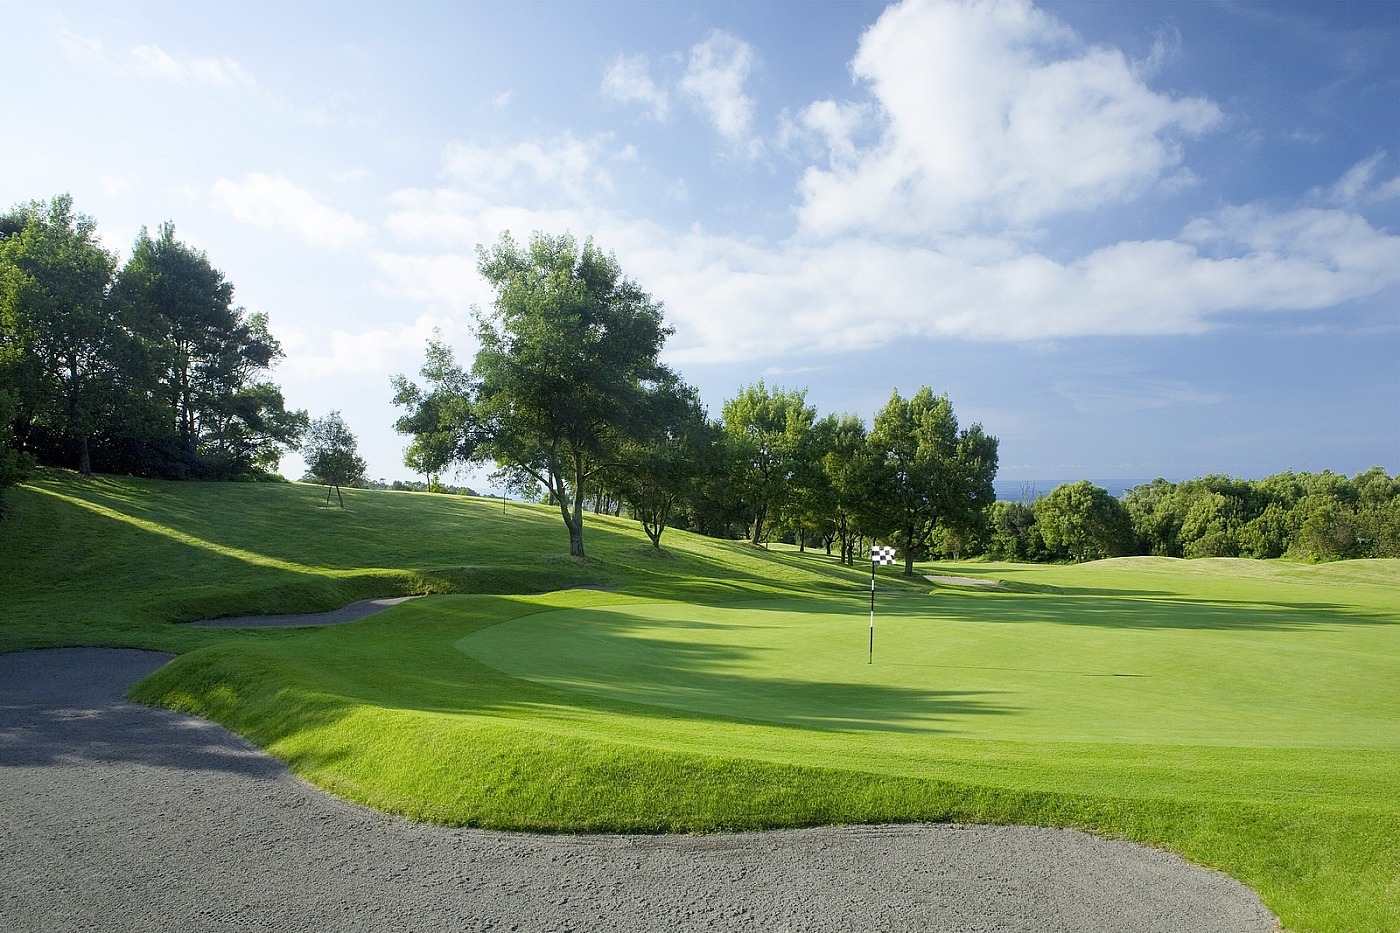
[929, 473]
[147, 369]
[567, 371]
[331, 455]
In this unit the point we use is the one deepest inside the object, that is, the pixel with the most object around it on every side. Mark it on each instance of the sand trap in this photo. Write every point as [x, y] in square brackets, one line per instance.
[964, 581]
[119, 817]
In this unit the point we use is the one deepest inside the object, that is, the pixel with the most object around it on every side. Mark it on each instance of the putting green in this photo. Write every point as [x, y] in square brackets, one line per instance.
[1140, 670]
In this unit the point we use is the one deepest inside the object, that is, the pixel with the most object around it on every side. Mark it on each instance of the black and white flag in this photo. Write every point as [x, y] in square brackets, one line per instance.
[882, 554]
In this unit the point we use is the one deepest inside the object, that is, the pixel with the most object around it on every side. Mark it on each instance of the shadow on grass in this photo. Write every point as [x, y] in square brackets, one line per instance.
[1127, 609]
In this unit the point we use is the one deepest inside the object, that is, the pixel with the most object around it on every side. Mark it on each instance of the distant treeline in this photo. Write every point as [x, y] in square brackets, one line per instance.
[147, 369]
[1308, 516]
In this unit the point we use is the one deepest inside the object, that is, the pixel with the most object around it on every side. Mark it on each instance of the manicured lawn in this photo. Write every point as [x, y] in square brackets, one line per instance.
[1243, 714]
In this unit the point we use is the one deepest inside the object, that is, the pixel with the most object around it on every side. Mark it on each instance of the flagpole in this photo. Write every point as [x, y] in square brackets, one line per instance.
[871, 658]
[879, 554]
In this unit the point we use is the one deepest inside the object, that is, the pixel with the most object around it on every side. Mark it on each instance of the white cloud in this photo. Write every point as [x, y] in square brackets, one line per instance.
[628, 79]
[274, 202]
[82, 50]
[217, 72]
[990, 115]
[151, 61]
[565, 167]
[733, 299]
[714, 82]
[315, 355]
[447, 284]
[1358, 186]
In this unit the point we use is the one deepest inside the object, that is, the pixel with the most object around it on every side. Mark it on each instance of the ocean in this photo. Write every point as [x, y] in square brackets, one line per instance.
[1016, 490]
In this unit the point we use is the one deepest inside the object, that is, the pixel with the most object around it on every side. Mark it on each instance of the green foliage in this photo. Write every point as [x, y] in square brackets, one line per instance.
[1309, 516]
[15, 465]
[567, 372]
[656, 470]
[769, 439]
[149, 371]
[851, 468]
[1085, 522]
[332, 459]
[56, 330]
[929, 473]
[1313, 516]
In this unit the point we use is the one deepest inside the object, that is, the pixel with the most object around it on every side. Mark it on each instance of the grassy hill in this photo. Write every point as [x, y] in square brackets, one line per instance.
[1243, 714]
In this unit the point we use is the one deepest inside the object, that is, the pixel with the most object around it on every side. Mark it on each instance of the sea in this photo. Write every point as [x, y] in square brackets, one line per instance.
[1028, 490]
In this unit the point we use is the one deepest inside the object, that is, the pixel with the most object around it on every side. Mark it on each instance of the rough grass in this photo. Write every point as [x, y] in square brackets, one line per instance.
[1242, 714]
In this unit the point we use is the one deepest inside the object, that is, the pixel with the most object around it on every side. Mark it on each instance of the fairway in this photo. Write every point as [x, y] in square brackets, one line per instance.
[1063, 668]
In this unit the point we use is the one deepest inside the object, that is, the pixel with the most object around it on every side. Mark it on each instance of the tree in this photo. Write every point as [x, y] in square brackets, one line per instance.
[849, 468]
[1084, 521]
[769, 435]
[928, 471]
[14, 463]
[331, 456]
[202, 356]
[568, 361]
[56, 328]
[655, 472]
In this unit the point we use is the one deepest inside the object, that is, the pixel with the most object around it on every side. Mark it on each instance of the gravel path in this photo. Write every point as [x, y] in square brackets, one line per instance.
[119, 817]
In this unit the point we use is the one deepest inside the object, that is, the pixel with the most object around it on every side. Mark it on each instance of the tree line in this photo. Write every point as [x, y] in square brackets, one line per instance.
[1308, 516]
[149, 368]
[567, 394]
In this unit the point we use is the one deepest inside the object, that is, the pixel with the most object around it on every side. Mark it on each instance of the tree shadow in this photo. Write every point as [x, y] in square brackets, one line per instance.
[1134, 609]
[624, 666]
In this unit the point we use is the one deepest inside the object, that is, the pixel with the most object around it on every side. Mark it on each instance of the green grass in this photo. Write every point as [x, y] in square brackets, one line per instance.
[1243, 714]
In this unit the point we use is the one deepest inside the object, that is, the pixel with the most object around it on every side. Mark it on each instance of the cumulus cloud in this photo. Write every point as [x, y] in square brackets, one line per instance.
[273, 202]
[714, 82]
[990, 115]
[982, 121]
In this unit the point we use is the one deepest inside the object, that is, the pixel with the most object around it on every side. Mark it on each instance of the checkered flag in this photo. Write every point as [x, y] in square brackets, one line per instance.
[882, 554]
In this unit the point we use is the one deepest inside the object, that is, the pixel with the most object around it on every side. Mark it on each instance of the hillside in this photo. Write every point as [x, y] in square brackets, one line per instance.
[116, 560]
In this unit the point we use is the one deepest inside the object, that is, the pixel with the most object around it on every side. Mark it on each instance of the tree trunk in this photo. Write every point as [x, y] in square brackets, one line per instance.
[576, 526]
[84, 457]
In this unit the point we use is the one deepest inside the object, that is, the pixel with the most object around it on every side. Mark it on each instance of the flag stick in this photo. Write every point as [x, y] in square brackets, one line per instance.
[878, 555]
[871, 658]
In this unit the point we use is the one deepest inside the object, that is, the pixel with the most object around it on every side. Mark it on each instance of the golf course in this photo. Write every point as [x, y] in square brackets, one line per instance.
[1242, 714]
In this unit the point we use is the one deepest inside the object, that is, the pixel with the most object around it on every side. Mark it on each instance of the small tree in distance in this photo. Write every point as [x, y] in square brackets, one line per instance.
[331, 457]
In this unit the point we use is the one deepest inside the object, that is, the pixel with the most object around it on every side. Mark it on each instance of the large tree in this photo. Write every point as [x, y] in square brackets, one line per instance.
[205, 356]
[567, 370]
[1085, 522]
[56, 327]
[770, 442]
[663, 465]
[929, 472]
[849, 467]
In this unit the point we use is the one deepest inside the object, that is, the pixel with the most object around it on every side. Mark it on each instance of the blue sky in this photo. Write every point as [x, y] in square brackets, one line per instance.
[1131, 239]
